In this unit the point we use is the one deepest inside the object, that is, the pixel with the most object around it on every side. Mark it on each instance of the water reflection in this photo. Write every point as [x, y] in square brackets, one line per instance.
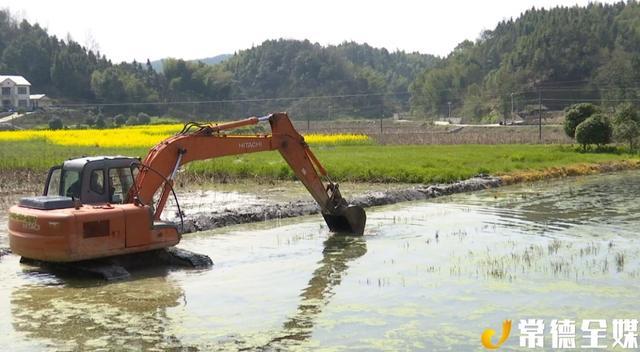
[76, 317]
[337, 253]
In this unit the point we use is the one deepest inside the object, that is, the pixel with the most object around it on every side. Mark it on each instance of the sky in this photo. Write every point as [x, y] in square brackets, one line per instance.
[190, 29]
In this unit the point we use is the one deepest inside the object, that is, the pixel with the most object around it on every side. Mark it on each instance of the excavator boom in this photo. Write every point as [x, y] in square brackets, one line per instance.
[207, 142]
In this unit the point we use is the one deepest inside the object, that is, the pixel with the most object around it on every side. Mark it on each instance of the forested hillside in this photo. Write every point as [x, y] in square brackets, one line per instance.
[363, 81]
[570, 54]
[562, 55]
[368, 81]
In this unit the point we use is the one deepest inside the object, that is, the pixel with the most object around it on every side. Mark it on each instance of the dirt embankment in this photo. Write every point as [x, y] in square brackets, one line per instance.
[206, 221]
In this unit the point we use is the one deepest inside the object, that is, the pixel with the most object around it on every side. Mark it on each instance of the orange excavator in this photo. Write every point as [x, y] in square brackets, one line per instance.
[96, 207]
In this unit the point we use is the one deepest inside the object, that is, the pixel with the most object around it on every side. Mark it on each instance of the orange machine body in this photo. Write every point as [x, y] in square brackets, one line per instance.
[95, 207]
[66, 235]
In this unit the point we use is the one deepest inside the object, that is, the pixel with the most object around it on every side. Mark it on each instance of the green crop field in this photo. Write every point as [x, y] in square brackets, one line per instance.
[373, 163]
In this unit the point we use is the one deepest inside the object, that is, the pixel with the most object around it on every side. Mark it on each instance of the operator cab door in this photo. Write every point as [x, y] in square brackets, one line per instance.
[94, 185]
[137, 219]
[120, 182]
[103, 226]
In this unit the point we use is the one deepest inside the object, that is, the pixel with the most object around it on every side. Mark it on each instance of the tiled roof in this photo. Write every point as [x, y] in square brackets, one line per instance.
[19, 80]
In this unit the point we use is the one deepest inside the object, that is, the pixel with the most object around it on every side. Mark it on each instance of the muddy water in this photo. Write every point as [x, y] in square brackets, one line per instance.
[427, 276]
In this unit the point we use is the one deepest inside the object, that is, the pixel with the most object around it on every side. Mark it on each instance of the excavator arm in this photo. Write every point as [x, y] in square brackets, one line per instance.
[206, 142]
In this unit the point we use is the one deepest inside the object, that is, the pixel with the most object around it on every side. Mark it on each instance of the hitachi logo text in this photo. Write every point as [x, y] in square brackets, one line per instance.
[250, 145]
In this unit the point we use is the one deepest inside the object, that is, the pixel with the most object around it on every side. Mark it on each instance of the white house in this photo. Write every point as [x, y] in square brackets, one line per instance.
[15, 92]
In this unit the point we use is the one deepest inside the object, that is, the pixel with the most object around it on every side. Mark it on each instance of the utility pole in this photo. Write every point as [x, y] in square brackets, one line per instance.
[513, 118]
[381, 116]
[540, 114]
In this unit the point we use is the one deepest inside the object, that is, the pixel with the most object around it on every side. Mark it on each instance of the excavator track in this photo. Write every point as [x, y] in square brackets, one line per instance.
[120, 267]
[185, 258]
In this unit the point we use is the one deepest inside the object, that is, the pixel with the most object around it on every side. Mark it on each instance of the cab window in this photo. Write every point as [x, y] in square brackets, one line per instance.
[96, 181]
[121, 180]
[53, 187]
[71, 183]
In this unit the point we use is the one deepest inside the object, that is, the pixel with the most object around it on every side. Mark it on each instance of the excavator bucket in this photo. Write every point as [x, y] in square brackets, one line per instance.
[349, 220]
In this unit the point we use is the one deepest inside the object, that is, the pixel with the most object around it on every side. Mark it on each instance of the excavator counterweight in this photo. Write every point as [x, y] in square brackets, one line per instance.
[95, 207]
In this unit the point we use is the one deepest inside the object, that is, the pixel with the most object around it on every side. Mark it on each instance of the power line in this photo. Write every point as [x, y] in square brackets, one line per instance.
[591, 100]
[248, 100]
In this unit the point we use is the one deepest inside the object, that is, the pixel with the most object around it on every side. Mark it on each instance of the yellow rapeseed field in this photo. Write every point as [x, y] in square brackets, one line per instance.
[142, 136]
[336, 138]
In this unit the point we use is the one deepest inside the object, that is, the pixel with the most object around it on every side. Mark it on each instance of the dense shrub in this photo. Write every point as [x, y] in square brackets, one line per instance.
[100, 122]
[119, 120]
[55, 124]
[594, 130]
[132, 121]
[575, 115]
[626, 125]
[143, 119]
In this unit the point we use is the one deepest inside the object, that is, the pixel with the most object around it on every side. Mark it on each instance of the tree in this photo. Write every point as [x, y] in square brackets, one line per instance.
[100, 122]
[71, 71]
[119, 120]
[626, 125]
[594, 130]
[89, 121]
[569, 53]
[575, 115]
[619, 74]
[132, 121]
[143, 119]
[29, 54]
[108, 86]
[55, 124]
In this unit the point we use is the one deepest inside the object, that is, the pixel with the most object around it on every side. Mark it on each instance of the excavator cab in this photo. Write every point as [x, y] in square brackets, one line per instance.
[83, 214]
[92, 180]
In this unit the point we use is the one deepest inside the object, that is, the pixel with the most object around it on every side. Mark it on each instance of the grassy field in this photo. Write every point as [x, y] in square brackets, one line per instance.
[368, 162]
[411, 164]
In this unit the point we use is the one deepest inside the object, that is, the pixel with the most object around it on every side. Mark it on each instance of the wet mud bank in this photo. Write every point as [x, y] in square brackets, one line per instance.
[202, 221]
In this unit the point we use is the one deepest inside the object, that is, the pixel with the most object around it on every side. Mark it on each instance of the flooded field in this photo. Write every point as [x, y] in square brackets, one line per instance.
[426, 276]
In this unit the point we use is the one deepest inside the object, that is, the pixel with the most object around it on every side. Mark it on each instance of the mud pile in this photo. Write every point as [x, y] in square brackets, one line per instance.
[201, 221]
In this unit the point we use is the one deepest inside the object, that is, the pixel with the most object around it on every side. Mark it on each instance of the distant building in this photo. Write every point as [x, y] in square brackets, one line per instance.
[39, 101]
[15, 92]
